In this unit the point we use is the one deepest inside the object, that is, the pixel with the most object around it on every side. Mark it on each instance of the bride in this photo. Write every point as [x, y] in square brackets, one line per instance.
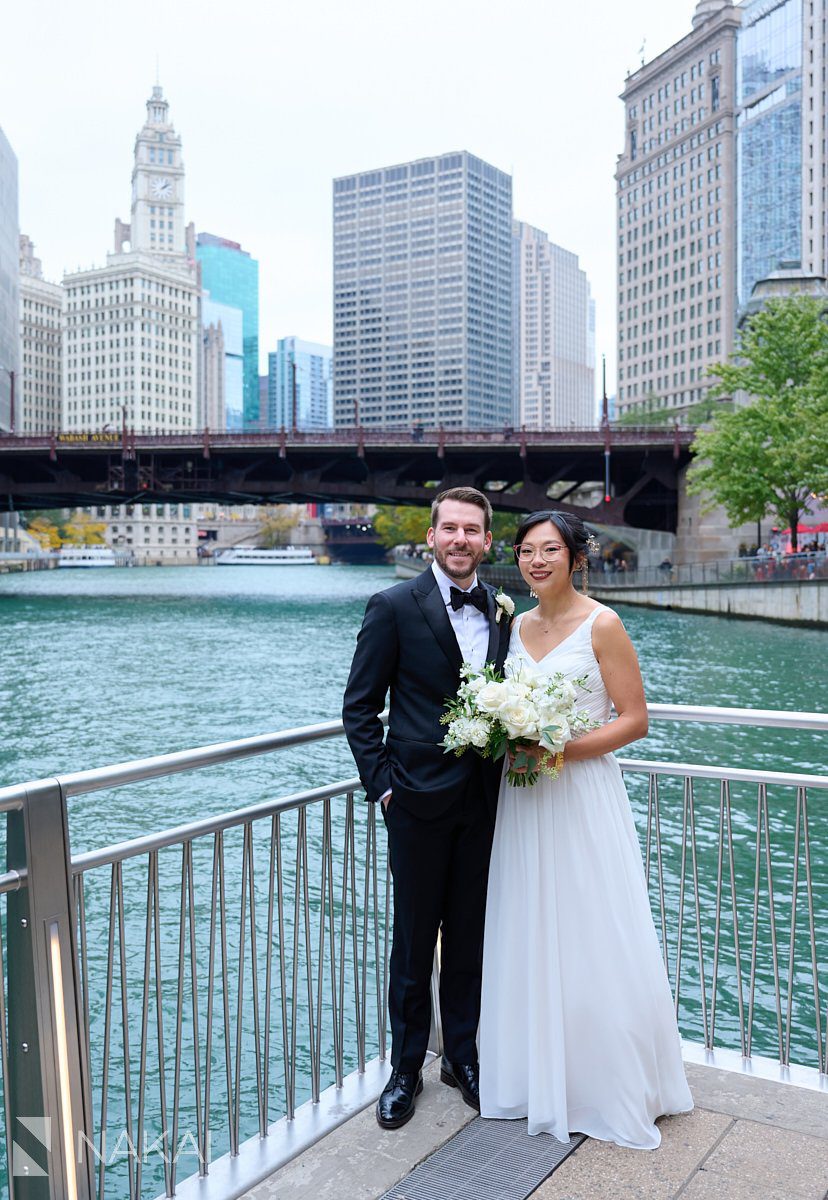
[577, 1027]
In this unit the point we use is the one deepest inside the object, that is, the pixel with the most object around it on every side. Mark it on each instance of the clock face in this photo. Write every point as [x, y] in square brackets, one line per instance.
[161, 188]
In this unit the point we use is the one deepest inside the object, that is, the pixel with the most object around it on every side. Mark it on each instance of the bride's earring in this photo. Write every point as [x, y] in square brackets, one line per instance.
[585, 576]
[533, 594]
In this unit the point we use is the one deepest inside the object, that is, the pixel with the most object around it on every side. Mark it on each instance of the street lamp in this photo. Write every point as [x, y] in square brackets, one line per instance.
[11, 375]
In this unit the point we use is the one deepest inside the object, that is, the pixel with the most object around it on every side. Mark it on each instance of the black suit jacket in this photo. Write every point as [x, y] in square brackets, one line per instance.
[407, 644]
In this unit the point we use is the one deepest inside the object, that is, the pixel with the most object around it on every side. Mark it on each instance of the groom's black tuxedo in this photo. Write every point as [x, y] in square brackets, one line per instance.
[441, 815]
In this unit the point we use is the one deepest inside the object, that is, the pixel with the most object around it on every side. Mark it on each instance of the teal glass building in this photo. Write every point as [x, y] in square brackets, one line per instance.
[231, 276]
[299, 385]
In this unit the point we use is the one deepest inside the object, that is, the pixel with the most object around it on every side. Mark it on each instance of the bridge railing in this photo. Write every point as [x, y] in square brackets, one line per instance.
[191, 1008]
[408, 435]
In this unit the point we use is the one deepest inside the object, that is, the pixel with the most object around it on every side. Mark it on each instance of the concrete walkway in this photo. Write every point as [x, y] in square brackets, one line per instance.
[747, 1139]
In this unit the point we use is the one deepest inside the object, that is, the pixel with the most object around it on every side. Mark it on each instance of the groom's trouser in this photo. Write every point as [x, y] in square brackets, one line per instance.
[440, 869]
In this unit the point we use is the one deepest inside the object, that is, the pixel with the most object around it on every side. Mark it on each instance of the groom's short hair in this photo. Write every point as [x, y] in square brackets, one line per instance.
[466, 495]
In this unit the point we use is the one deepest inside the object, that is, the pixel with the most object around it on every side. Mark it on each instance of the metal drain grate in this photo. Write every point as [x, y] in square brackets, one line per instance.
[487, 1160]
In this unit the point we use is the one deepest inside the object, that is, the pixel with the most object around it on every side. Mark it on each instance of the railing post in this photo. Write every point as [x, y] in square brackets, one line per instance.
[50, 1101]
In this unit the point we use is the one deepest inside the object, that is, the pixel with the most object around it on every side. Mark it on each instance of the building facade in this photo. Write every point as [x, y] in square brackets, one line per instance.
[131, 338]
[41, 319]
[9, 301]
[781, 151]
[231, 277]
[676, 229]
[555, 351]
[221, 379]
[152, 533]
[299, 385]
[423, 295]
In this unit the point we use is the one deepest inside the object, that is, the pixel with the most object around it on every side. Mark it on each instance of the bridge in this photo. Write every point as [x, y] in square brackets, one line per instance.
[634, 470]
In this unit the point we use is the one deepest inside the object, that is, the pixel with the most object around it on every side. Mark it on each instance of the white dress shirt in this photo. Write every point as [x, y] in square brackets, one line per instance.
[470, 625]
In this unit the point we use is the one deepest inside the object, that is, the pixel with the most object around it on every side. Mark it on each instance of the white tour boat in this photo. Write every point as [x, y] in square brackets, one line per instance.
[86, 556]
[255, 556]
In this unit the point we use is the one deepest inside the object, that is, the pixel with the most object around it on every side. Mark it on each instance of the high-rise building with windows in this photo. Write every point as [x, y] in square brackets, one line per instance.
[221, 379]
[131, 339]
[231, 276]
[299, 385]
[555, 359]
[676, 228]
[9, 303]
[423, 294]
[781, 150]
[41, 323]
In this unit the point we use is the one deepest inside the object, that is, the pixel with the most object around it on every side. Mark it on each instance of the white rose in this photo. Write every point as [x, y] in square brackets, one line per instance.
[475, 685]
[505, 604]
[561, 735]
[519, 719]
[491, 696]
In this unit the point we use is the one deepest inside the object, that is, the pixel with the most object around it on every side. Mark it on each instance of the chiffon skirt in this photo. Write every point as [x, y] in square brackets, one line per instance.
[577, 1027]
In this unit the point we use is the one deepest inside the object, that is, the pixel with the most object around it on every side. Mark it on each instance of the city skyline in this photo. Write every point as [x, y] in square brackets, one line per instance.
[70, 138]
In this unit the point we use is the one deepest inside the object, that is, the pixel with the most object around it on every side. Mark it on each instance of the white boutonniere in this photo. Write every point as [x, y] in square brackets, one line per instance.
[505, 604]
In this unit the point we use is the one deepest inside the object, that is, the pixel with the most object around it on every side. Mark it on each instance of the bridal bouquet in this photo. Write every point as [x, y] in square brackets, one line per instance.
[496, 713]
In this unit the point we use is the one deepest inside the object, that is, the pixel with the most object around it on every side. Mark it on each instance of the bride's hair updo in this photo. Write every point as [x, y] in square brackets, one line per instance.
[574, 534]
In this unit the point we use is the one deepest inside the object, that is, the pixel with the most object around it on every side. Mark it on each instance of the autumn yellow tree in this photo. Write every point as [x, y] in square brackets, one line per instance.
[45, 532]
[82, 530]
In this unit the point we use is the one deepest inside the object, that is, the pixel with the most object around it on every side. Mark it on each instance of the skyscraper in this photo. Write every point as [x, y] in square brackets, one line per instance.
[555, 358]
[9, 310]
[299, 385]
[41, 323]
[231, 277]
[781, 203]
[222, 378]
[423, 294]
[130, 343]
[676, 186]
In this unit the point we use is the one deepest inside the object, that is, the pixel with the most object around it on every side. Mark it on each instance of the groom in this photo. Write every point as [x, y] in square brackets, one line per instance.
[439, 809]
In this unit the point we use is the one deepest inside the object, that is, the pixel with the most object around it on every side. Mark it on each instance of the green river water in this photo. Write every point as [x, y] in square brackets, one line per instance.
[98, 667]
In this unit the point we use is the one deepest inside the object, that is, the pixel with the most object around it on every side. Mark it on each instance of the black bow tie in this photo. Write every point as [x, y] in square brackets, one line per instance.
[477, 596]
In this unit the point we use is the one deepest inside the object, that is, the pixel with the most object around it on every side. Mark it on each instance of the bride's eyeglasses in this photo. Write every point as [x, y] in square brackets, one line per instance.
[527, 553]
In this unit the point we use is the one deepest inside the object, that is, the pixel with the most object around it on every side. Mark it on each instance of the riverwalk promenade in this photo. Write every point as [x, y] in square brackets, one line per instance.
[747, 1139]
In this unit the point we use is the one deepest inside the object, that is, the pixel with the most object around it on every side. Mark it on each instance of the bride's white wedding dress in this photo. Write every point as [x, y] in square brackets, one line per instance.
[577, 1025]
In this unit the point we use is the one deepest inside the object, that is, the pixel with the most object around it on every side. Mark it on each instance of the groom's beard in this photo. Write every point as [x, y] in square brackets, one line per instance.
[453, 569]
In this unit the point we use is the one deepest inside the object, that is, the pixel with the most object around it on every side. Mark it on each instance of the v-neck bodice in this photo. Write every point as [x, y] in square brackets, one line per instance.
[573, 657]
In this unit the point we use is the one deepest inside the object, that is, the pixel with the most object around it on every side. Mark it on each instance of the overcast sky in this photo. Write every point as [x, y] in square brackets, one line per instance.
[273, 101]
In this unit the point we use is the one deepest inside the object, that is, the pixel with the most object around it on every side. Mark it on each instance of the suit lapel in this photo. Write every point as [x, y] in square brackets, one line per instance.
[427, 594]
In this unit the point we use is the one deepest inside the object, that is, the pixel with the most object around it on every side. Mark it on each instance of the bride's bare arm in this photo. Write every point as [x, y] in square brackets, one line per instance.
[622, 679]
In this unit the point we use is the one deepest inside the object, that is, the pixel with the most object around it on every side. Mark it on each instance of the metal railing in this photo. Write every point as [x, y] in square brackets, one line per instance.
[193, 1007]
[774, 568]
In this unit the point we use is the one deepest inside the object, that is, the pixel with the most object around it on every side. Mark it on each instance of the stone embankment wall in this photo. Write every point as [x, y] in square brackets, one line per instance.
[798, 602]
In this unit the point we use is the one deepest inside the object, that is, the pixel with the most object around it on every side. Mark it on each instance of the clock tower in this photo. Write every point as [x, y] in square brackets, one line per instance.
[157, 224]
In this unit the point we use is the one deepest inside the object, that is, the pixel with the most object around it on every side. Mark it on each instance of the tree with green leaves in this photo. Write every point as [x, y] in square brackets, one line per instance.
[399, 525]
[770, 456]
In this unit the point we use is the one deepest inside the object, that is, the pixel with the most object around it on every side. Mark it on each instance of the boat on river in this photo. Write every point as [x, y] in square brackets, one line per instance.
[87, 556]
[255, 556]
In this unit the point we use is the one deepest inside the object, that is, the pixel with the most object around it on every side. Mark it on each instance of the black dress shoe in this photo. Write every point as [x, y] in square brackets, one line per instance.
[398, 1100]
[466, 1077]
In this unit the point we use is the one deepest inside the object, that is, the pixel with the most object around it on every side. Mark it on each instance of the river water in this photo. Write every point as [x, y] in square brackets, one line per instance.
[97, 667]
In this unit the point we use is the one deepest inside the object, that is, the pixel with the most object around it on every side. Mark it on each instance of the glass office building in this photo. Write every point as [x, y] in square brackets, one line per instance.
[423, 295]
[231, 277]
[299, 385]
[232, 323]
[9, 274]
[769, 141]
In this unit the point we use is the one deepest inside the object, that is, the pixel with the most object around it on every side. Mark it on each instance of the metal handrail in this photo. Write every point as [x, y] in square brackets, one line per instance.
[78, 783]
[327, 921]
